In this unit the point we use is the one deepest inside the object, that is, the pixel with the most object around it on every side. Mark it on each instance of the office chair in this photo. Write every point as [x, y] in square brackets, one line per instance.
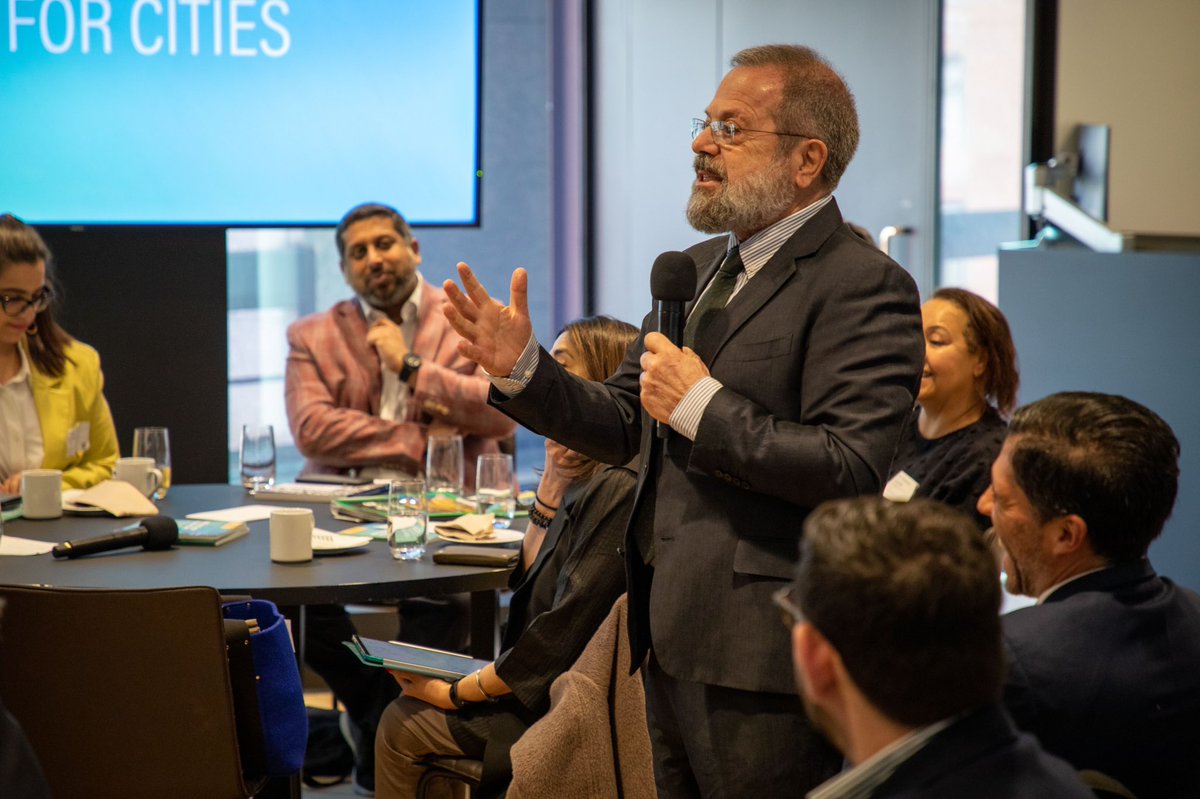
[463, 773]
[123, 693]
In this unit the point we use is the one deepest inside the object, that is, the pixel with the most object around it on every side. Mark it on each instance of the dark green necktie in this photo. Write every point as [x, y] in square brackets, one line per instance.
[714, 300]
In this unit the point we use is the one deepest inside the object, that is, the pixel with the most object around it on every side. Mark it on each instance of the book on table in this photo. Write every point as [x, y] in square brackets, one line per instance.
[210, 534]
[399, 656]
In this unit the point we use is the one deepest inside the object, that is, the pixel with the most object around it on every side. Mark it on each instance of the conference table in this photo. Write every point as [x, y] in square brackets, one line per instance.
[243, 566]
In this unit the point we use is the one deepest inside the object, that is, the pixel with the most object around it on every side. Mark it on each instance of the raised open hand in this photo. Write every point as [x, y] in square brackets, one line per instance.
[494, 335]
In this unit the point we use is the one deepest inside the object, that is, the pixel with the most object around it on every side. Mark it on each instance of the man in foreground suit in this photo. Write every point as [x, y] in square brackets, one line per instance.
[792, 390]
[895, 628]
[367, 381]
[1105, 669]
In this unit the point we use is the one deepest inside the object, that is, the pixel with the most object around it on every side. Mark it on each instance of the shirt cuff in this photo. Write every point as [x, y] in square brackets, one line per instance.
[522, 372]
[685, 419]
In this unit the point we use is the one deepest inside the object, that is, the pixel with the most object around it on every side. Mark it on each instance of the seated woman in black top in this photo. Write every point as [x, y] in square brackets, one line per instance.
[968, 388]
[569, 576]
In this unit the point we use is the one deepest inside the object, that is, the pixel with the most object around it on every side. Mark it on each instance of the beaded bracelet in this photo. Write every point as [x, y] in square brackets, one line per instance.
[479, 685]
[545, 504]
[536, 517]
[455, 699]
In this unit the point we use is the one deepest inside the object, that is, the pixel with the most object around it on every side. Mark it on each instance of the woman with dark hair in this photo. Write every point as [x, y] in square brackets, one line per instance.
[968, 389]
[53, 414]
[569, 576]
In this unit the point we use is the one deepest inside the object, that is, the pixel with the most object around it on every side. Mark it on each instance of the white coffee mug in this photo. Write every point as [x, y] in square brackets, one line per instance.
[139, 473]
[291, 535]
[41, 493]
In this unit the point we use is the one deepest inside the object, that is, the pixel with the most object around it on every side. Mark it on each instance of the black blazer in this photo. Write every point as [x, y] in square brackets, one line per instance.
[982, 756]
[1106, 673]
[819, 355]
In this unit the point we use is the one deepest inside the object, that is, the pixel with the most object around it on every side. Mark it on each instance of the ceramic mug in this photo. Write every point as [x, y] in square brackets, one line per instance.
[140, 473]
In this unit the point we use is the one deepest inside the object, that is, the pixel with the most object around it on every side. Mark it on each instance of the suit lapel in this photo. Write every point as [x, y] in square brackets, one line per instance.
[352, 331]
[775, 273]
[53, 411]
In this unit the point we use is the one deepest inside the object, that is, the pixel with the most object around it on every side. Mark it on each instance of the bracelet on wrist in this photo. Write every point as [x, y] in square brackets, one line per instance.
[455, 699]
[479, 685]
[539, 519]
[544, 503]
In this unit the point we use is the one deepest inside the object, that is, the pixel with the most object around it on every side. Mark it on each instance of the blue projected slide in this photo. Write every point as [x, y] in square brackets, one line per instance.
[237, 111]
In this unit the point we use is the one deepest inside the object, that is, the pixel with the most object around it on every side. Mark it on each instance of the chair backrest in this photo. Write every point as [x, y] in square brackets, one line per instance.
[122, 693]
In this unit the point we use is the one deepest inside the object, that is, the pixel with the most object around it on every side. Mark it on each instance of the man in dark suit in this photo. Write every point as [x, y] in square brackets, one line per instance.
[895, 625]
[802, 357]
[1105, 669]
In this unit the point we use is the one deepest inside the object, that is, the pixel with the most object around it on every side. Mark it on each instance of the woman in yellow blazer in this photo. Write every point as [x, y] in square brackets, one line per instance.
[53, 413]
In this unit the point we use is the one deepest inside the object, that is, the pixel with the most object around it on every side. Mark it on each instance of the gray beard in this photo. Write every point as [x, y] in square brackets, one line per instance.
[751, 204]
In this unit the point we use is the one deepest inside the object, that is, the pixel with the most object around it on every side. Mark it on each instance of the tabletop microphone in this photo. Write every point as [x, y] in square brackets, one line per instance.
[672, 283]
[153, 532]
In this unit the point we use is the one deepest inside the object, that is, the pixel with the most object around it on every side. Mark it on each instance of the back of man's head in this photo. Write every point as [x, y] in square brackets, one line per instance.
[909, 596]
[1103, 457]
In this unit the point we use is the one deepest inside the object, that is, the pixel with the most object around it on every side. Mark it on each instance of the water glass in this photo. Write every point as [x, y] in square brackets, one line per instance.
[257, 456]
[494, 488]
[407, 519]
[444, 464]
[153, 442]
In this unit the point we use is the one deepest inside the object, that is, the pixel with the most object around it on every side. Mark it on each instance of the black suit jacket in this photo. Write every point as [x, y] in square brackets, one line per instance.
[982, 756]
[819, 355]
[1106, 673]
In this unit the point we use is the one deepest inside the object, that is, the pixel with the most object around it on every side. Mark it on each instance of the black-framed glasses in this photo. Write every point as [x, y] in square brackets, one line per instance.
[726, 132]
[791, 615]
[15, 306]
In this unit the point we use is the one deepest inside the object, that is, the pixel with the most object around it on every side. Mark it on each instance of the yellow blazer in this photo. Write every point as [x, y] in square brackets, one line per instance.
[65, 402]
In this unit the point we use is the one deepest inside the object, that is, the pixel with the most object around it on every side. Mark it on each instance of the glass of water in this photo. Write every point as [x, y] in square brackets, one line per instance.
[494, 488]
[444, 464]
[154, 442]
[258, 456]
[407, 519]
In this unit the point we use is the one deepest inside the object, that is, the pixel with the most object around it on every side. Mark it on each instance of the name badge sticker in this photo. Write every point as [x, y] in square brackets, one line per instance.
[79, 439]
[900, 488]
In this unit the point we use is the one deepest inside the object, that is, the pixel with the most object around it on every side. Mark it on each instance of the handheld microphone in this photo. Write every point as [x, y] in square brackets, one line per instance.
[153, 532]
[672, 283]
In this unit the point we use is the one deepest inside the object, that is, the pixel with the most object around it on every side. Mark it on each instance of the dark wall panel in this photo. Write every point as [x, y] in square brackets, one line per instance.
[152, 302]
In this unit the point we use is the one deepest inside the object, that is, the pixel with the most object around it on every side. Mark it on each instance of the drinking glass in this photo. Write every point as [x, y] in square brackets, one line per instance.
[444, 464]
[494, 488]
[153, 442]
[258, 456]
[407, 519]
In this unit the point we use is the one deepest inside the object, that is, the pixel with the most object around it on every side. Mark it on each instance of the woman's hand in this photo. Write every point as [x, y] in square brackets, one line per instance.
[430, 690]
[555, 478]
[12, 485]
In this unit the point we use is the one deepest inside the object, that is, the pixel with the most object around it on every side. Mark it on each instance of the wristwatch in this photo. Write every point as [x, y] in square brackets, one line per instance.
[412, 362]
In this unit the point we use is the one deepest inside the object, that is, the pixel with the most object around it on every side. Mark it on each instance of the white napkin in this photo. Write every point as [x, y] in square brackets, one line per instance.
[11, 545]
[468, 527]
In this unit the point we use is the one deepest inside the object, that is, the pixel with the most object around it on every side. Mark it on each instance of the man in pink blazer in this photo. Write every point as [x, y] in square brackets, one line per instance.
[370, 377]
[367, 381]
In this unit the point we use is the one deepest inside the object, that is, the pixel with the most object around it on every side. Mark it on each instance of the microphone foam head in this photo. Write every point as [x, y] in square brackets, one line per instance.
[161, 532]
[673, 277]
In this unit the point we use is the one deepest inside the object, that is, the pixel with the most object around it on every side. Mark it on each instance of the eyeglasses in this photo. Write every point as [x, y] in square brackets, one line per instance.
[791, 615]
[726, 132]
[15, 306]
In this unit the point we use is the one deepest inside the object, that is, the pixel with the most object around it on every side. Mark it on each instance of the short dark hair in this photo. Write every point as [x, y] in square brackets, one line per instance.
[366, 211]
[21, 244]
[988, 334]
[1109, 460]
[816, 102]
[909, 595]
